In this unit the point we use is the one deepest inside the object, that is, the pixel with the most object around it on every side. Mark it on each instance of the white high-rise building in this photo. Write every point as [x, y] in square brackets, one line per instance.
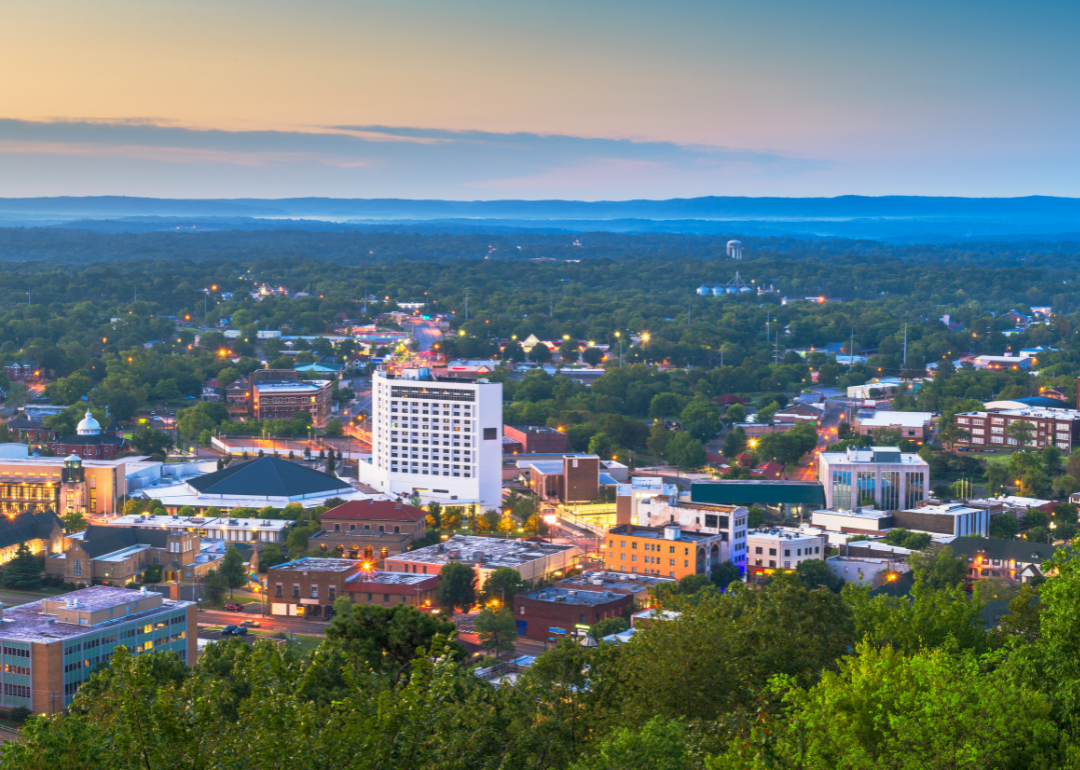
[438, 437]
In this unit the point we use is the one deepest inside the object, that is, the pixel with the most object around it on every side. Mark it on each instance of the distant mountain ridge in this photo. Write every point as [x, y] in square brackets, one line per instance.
[890, 218]
[710, 208]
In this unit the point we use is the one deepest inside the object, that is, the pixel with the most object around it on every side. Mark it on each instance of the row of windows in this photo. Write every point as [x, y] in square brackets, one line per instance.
[10, 668]
[431, 394]
[787, 551]
[17, 690]
[17, 652]
[646, 547]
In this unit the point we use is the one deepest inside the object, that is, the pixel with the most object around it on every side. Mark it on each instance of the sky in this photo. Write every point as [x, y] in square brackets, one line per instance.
[588, 100]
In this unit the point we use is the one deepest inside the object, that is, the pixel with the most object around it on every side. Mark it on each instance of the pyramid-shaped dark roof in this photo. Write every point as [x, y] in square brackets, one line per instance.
[267, 477]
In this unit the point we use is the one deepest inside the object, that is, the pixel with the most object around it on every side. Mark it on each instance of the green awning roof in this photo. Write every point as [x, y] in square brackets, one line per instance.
[761, 491]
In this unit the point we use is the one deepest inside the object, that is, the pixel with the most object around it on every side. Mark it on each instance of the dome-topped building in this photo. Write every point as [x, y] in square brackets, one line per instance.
[90, 442]
[88, 426]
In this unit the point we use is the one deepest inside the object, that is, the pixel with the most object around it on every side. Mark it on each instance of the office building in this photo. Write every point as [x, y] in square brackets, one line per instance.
[881, 477]
[435, 437]
[308, 587]
[1048, 427]
[63, 485]
[52, 646]
[666, 551]
[772, 550]
[728, 522]
[948, 520]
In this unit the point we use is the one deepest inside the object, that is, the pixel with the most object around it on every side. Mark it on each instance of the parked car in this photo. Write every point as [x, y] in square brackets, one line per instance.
[234, 607]
[229, 630]
[251, 624]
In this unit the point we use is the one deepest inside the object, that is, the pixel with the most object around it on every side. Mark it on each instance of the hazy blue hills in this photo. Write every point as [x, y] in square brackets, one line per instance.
[892, 218]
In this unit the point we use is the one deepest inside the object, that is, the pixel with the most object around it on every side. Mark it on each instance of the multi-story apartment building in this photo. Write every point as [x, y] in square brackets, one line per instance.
[772, 550]
[278, 394]
[667, 551]
[50, 647]
[1049, 427]
[436, 437]
[726, 521]
[882, 477]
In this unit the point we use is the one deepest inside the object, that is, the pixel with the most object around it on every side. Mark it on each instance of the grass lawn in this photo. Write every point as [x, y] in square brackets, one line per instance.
[996, 459]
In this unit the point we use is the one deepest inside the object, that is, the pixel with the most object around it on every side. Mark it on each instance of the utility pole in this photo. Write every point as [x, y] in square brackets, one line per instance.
[466, 303]
[905, 345]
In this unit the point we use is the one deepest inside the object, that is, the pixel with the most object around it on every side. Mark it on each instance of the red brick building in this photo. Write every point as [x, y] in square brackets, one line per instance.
[571, 479]
[90, 442]
[554, 613]
[538, 439]
[369, 529]
[389, 588]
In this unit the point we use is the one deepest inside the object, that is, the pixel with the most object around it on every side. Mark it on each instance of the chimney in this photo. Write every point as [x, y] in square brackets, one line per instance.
[629, 528]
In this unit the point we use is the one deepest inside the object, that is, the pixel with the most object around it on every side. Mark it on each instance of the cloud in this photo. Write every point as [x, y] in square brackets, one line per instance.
[140, 156]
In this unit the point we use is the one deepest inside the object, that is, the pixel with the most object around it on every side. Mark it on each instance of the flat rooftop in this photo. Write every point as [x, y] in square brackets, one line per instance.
[536, 429]
[1039, 412]
[570, 596]
[780, 534]
[621, 581]
[489, 551]
[864, 514]
[315, 564]
[379, 577]
[298, 385]
[887, 419]
[944, 509]
[222, 522]
[657, 533]
[28, 623]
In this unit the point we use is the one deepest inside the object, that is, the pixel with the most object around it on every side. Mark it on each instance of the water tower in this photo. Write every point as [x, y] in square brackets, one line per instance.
[734, 249]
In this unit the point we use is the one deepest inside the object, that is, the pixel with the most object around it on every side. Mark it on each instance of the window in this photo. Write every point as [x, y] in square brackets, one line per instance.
[490, 434]
[331, 593]
[296, 591]
[278, 591]
[314, 592]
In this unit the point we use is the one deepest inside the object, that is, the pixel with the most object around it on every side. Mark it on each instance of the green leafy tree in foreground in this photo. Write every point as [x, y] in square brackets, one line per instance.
[232, 569]
[497, 630]
[215, 587]
[23, 573]
[944, 711]
[457, 587]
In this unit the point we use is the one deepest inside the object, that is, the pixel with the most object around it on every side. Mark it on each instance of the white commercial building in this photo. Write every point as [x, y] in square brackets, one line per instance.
[948, 520]
[913, 426]
[882, 477]
[439, 438]
[769, 550]
[212, 527]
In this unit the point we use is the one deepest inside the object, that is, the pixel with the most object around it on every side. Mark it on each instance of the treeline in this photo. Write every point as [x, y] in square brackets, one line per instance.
[790, 676]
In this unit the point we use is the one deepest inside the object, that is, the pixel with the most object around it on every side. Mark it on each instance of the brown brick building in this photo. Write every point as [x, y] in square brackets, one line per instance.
[118, 555]
[1049, 427]
[538, 439]
[308, 587]
[389, 588]
[554, 613]
[369, 529]
[278, 394]
[571, 479]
